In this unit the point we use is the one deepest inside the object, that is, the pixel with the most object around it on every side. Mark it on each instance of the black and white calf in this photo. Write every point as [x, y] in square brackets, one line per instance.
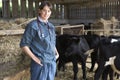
[107, 50]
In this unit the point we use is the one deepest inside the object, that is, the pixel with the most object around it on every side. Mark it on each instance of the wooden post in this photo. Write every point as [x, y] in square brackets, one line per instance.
[23, 11]
[118, 10]
[5, 8]
[30, 8]
[36, 7]
[15, 9]
[61, 11]
[54, 12]
[57, 11]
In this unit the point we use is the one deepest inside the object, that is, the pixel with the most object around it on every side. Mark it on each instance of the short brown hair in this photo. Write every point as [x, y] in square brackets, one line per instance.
[45, 3]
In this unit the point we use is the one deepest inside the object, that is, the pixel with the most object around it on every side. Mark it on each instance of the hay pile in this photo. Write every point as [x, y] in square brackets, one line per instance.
[12, 24]
[12, 59]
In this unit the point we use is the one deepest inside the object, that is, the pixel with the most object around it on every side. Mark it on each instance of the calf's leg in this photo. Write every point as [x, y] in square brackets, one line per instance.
[99, 70]
[75, 69]
[83, 63]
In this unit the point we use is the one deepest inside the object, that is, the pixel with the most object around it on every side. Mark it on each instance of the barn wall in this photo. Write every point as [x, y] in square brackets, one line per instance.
[103, 10]
[79, 12]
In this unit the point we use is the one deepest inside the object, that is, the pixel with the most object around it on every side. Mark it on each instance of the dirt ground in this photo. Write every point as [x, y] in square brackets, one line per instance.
[68, 73]
[61, 75]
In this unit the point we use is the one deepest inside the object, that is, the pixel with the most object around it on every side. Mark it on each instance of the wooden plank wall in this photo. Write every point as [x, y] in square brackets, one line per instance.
[28, 8]
[105, 9]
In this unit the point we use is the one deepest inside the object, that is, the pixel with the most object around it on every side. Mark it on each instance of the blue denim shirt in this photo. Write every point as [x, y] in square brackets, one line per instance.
[40, 39]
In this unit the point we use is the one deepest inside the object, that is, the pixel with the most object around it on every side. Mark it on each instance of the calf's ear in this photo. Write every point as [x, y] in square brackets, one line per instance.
[77, 40]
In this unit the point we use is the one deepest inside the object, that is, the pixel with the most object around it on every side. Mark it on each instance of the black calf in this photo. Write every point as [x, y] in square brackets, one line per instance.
[71, 48]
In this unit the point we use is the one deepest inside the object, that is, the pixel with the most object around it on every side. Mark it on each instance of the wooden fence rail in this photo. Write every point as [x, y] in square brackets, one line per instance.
[11, 32]
[21, 31]
[60, 29]
[111, 32]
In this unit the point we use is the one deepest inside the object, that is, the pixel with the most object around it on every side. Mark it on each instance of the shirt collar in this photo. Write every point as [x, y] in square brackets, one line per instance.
[40, 19]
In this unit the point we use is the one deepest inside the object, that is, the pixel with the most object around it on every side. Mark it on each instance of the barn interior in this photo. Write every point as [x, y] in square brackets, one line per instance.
[65, 11]
[100, 17]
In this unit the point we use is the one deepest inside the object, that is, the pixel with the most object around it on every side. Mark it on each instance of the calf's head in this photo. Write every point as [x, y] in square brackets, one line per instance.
[77, 46]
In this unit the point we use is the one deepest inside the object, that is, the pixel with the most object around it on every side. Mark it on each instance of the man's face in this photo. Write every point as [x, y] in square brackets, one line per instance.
[45, 13]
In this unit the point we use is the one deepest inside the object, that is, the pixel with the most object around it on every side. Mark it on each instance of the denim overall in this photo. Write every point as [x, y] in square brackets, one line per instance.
[41, 38]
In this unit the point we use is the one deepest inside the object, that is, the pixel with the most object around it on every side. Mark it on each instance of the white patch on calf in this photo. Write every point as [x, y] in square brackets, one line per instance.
[111, 61]
[57, 56]
[114, 40]
[89, 51]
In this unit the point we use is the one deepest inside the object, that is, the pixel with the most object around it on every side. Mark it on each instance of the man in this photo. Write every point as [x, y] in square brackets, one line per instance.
[38, 42]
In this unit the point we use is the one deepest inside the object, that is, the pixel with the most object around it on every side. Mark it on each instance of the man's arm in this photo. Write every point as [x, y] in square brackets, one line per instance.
[27, 50]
